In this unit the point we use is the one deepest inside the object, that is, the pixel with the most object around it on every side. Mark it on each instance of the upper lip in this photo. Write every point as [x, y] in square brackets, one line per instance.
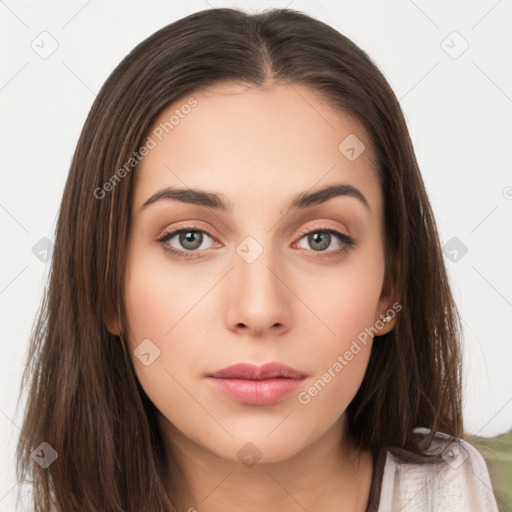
[253, 372]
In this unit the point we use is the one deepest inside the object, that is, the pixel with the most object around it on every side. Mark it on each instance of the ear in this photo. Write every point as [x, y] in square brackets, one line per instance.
[113, 326]
[389, 304]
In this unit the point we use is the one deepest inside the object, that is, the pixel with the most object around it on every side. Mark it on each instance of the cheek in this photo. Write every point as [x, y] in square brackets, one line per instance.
[153, 308]
[173, 359]
[178, 329]
[340, 357]
[346, 309]
[342, 300]
[167, 319]
[156, 299]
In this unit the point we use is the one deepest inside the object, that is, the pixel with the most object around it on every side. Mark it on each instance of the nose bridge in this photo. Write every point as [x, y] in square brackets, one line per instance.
[257, 295]
[254, 264]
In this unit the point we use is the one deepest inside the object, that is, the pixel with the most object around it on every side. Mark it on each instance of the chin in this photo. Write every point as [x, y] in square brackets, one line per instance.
[250, 449]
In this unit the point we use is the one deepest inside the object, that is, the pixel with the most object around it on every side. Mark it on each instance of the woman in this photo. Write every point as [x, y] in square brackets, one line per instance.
[248, 307]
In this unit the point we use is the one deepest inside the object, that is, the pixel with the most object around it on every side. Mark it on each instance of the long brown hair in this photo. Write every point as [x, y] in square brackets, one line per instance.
[84, 399]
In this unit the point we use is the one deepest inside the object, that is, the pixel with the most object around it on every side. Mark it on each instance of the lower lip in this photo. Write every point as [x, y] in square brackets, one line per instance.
[256, 392]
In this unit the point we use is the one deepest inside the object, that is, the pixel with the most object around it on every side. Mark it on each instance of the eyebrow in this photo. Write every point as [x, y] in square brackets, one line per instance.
[218, 202]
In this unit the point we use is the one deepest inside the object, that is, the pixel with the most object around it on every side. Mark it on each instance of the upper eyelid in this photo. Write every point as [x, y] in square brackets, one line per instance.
[175, 230]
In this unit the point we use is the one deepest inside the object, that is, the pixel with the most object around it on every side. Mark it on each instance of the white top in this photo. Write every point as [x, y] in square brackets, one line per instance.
[459, 483]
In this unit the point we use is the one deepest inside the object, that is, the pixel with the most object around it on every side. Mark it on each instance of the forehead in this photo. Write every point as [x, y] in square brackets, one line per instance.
[258, 143]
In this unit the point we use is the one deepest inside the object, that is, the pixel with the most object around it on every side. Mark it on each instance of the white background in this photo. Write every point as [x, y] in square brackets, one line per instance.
[459, 112]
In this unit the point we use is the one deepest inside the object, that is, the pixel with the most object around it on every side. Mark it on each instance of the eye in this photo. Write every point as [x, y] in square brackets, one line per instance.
[321, 238]
[188, 240]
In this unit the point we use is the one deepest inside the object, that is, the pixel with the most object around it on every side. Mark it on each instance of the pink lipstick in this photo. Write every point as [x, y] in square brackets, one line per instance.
[256, 385]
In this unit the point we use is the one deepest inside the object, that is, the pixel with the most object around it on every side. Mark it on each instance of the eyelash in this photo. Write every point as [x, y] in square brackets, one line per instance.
[348, 241]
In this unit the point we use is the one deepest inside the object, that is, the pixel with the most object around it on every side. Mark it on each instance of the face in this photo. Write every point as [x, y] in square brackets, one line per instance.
[263, 280]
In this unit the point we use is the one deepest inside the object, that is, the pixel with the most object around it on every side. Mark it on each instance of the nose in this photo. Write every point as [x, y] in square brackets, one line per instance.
[258, 296]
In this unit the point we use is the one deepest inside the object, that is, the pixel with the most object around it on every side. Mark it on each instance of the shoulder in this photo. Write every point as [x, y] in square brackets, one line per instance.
[458, 480]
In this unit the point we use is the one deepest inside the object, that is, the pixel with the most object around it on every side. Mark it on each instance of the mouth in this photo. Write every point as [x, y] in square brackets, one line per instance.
[256, 385]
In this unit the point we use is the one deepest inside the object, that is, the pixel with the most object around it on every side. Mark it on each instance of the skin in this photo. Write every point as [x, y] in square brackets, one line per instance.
[257, 147]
